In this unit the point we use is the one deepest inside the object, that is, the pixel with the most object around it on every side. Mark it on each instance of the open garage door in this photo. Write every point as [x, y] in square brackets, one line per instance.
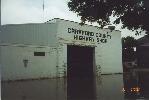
[80, 61]
[80, 73]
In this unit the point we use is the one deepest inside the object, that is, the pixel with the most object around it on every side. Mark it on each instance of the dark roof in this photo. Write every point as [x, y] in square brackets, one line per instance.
[143, 40]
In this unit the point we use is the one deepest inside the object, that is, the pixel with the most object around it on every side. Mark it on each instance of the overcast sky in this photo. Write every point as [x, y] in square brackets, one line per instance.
[31, 11]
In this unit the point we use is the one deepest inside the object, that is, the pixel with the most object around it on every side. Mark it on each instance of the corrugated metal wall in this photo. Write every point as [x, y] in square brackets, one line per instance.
[33, 34]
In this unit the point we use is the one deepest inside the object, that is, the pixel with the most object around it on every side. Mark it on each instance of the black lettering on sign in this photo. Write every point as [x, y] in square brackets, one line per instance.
[85, 32]
[89, 36]
[90, 39]
[82, 32]
[103, 40]
[91, 33]
[98, 35]
[104, 36]
[75, 31]
[76, 37]
[88, 33]
[72, 30]
[98, 40]
[81, 37]
[69, 30]
[87, 39]
[79, 31]
[109, 36]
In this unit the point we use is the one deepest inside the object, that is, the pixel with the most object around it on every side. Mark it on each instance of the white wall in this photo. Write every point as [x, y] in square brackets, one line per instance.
[62, 60]
[30, 34]
[111, 55]
[108, 55]
[38, 66]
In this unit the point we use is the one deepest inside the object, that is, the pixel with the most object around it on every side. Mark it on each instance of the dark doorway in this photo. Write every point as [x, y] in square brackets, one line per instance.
[80, 73]
[80, 61]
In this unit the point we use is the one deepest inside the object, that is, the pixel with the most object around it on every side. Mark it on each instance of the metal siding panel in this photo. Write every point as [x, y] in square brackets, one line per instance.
[35, 34]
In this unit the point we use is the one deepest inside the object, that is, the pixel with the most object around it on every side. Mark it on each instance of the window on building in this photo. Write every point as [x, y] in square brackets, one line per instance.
[39, 53]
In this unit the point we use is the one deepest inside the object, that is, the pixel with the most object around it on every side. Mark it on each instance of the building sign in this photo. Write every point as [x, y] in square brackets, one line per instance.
[89, 36]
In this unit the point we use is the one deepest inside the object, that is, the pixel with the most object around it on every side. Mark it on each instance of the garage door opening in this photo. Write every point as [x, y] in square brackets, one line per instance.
[80, 73]
[80, 60]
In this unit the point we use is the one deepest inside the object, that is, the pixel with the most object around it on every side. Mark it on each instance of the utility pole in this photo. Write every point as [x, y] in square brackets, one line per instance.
[43, 7]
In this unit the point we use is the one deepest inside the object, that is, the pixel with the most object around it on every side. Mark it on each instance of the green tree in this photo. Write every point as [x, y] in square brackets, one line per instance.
[129, 42]
[133, 14]
[128, 45]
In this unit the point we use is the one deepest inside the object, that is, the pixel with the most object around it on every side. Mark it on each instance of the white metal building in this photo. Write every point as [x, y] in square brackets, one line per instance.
[47, 50]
